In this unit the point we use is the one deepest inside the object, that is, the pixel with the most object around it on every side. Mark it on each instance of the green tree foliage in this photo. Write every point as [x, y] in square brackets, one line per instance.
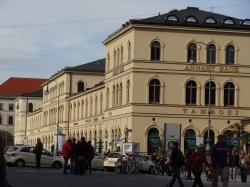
[159, 152]
[10, 137]
[240, 132]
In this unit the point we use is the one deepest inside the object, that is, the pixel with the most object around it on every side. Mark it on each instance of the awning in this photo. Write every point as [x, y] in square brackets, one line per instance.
[98, 145]
[190, 142]
[154, 141]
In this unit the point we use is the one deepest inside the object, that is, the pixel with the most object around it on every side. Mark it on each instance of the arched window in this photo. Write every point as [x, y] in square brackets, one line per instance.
[128, 92]
[153, 132]
[230, 54]
[229, 22]
[154, 91]
[191, 89]
[192, 50]
[155, 50]
[114, 58]
[210, 20]
[10, 120]
[211, 54]
[191, 19]
[80, 87]
[229, 94]
[213, 93]
[1, 120]
[172, 18]
[30, 107]
[129, 51]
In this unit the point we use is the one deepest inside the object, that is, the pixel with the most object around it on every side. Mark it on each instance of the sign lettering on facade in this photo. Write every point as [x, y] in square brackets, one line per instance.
[207, 68]
[205, 111]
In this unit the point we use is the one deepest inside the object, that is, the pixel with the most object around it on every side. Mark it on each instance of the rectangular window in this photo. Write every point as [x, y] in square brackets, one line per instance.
[11, 107]
[1, 106]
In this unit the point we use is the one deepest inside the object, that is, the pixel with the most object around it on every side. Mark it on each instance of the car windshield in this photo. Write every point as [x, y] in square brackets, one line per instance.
[12, 149]
[114, 155]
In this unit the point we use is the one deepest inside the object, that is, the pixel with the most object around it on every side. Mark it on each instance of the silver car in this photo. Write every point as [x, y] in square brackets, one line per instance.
[21, 156]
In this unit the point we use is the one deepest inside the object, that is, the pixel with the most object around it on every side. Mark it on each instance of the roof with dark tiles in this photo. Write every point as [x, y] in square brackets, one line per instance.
[95, 66]
[183, 14]
[16, 86]
[38, 93]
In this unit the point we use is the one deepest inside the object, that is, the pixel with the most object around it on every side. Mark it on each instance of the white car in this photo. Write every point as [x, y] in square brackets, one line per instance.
[21, 156]
[146, 165]
[110, 160]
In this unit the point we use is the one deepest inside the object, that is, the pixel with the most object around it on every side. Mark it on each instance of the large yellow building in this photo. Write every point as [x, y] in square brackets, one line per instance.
[147, 80]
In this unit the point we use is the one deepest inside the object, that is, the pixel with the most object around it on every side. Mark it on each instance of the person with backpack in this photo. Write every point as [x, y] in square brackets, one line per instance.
[73, 156]
[90, 156]
[196, 160]
[177, 160]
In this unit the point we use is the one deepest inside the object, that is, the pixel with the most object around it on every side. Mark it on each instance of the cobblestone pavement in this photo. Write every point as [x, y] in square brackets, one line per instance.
[31, 177]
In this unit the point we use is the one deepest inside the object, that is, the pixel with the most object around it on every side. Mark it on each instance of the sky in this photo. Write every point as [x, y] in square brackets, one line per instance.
[39, 38]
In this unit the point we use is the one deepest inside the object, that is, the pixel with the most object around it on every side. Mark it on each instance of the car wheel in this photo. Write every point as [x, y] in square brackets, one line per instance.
[57, 165]
[151, 170]
[20, 163]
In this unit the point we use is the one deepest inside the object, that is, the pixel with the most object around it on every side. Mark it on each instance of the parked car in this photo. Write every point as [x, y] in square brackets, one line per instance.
[21, 156]
[146, 165]
[110, 160]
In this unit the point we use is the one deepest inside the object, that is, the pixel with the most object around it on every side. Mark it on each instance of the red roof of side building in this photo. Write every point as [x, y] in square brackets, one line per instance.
[16, 86]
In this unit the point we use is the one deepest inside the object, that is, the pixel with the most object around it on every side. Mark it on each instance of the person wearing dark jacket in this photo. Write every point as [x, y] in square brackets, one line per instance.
[82, 149]
[38, 151]
[233, 164]
[196, 160]
[175, 165]
[90, 156]
[73, 156]
[188, 154]
[219, 162]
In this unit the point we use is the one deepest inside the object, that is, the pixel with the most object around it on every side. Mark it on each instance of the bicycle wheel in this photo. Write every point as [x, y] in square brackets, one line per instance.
[117, 167]
[137, 167]
[130, 167]
[157, 169]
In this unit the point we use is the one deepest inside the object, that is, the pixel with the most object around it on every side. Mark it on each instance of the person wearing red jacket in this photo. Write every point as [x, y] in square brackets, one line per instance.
[66, 154]
[196, 160]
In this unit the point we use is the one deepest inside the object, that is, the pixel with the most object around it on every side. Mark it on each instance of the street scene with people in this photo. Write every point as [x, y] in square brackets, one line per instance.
[133, 93]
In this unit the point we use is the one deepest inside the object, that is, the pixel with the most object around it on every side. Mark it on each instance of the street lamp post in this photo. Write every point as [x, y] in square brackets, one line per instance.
[6, 132]
[47, 93]
[193, 60]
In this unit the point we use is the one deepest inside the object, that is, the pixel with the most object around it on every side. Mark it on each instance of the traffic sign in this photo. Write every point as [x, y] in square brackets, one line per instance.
[235, 141]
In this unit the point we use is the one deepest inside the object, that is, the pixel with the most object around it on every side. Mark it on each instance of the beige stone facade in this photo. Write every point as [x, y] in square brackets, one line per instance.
[124, 99]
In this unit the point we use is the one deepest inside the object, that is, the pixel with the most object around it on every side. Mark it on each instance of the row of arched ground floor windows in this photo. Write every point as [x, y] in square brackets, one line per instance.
[154, 141]
[191, 90]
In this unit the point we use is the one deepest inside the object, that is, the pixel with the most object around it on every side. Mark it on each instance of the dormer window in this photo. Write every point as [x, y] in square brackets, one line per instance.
[172, 18]
[229, 22]
[246, 23]
[191, 19]
[210, 20]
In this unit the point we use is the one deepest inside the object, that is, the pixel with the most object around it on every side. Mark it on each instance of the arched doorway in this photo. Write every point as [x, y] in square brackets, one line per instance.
[154, 141]
[211, 137]
[190, 140]
[228, 136]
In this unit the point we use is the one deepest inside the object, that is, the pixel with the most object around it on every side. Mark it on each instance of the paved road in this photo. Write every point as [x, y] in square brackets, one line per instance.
[30, 177]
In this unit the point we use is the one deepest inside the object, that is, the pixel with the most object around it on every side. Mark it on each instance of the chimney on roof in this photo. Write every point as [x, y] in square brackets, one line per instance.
[192, 8]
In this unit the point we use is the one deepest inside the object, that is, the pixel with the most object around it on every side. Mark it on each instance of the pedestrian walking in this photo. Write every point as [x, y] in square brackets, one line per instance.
[208, 170]
[90, 156]
[73, 156]
[66, 154]
[219, 162]
[246, 166]
[196, 160]
[243, 174]
[82, 151]
[233, 164]
[38, 151]
[107, 153]
[188, 154]
[176, 156]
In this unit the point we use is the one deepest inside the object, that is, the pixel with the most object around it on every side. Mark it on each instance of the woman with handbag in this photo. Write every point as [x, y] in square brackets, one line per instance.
[196, 161]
